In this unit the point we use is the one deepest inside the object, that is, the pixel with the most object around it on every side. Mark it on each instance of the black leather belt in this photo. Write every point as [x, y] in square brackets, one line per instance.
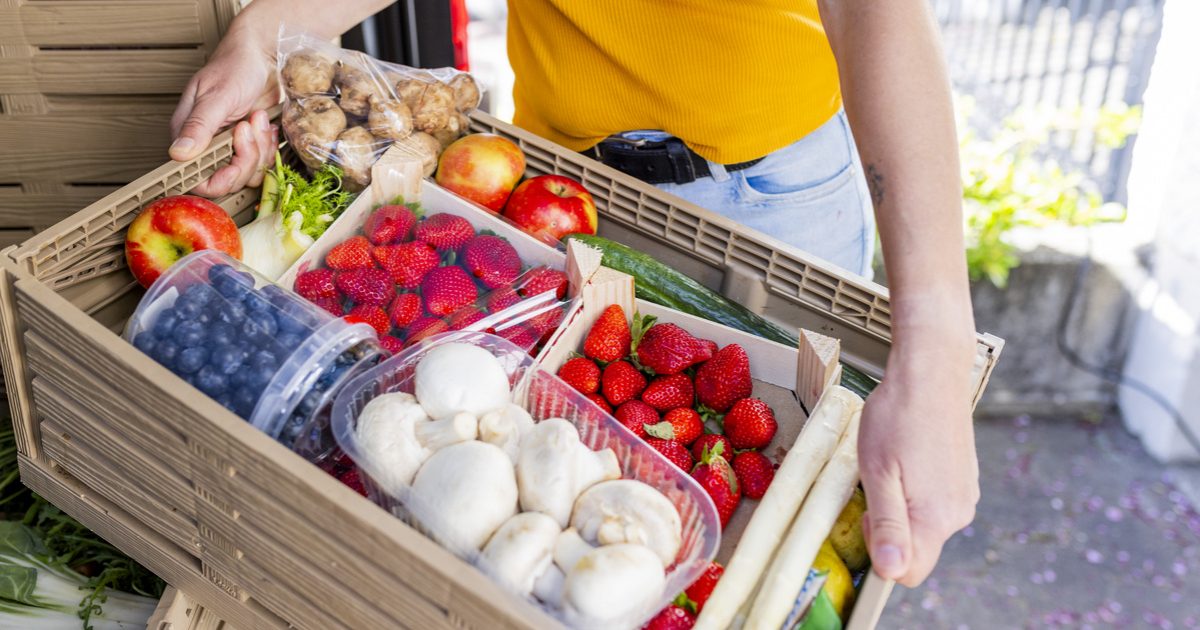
[657, 161]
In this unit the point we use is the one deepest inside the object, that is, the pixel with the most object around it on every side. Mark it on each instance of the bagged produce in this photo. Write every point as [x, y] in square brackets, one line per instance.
[345, 108]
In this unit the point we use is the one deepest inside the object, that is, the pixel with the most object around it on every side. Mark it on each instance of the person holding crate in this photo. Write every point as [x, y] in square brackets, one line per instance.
[737, 107]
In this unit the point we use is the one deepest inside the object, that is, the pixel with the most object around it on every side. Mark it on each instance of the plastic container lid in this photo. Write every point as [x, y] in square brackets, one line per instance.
[254, 347]
[544, 395]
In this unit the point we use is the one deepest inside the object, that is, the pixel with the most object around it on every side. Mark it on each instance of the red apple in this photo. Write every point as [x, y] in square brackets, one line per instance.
[552, 206]
[482, 167]
[174, 227]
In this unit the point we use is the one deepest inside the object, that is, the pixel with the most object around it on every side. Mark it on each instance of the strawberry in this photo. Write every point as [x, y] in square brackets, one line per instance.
[405, 309]
[621, 382]
[635, 415]
[724, 379]
[407, 262]
[582, 374]
[709, 441]
[672, 617]
[352, 253]
[492, 260]
[538, 281]
[750, 424]
[600, 402]
[665, 348]
[681, 424]
[710, 344]
[315, 284]
[609, 338]
[668, 392]
[717, 478]
[352, 480]
[674, 451]
[425, 327]
[521, 336]
[370, 314]
[547, 322]
[391, 344]
[501, 299]
[702, 588]
[366, 286]
[447, 289]
[465, 317]
[333, 305]
[390, 224]
[754, 471]
[446, 232]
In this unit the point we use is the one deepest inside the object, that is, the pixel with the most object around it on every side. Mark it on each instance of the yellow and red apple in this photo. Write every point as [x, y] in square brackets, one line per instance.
[552, 206]
[174, 227]
[482, 167]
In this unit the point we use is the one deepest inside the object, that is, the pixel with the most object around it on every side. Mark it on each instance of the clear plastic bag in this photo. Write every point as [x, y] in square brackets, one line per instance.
[346, 108]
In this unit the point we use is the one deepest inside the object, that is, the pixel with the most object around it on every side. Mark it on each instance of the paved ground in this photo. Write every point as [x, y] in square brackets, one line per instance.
[1077, 528]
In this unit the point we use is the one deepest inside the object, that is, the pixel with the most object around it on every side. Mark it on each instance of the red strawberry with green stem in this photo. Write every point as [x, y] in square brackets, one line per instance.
[600, 402]
[716, 476]
[750, 424]
[541, 280]
[700, 590]
[390, 224]
[352, 253]
[501, 299]
[405, 309]
[609, 338]
[674, 451]
[315, 284]
[709, 442]
[636, 416]
[407, 262]
[446, 232]
[672, 617]
[365, 286]
[682, 424]
[332, 305]
[447, 289]
[372, 315]
[669, 392]
[621, 382]
[754, 471]
[491, 260]
[724, 379]
[581, 373]
[665, 348]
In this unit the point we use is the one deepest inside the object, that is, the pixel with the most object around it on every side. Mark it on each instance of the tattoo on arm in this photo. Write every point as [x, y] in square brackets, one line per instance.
[875, 183]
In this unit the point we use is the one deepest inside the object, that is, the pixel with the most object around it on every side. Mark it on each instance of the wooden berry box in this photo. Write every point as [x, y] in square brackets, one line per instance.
[256, 535]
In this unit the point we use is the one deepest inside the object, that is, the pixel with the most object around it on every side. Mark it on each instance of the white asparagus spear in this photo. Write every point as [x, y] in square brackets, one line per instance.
[816, 518]
[774, 513]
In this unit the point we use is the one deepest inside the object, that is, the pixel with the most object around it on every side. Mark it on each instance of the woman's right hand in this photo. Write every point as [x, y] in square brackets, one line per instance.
[236, 86]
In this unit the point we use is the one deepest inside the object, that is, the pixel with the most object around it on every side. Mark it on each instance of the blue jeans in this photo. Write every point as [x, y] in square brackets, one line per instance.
[811, 195]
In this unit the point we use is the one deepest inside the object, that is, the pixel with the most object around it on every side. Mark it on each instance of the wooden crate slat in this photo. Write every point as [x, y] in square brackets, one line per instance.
[40, 206]
[146, 71]
[106, 23]
[82, 148]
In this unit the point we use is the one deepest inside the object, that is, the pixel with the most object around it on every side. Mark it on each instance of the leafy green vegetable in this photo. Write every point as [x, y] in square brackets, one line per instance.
[308, 205]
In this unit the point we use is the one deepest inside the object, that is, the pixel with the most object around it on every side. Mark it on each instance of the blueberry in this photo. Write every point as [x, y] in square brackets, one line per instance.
[289, 324]
[256, 303]
[226, 359]
[188, 309]
[226, 401]
[165, 323]
[165, 352]
[233, 313]
[264, 359]
[286, 343]
[145, 341]
[259, 325]
[205, 317]
[244, 400]
[190, 360]
[189, 334]
[218, 270]
[233, 286]
[275, 295]
[210, 381]
[221, 334]
[258, 376]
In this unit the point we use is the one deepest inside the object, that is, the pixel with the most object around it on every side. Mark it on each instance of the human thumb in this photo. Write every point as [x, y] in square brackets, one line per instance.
[886, 523]
[207, 114]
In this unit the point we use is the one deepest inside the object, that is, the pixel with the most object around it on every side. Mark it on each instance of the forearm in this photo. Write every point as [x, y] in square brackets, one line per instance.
[897, 98]
[261, 19]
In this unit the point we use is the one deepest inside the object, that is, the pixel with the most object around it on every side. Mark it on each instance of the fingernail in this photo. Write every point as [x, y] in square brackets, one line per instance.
[261, 122]
[182, 145]
[888, 557]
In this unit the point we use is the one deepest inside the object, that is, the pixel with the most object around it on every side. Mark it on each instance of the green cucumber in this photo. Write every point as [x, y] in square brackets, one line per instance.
[660, 284]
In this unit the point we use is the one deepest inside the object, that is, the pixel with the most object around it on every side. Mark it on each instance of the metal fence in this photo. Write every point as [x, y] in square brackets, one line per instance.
[1069, 54]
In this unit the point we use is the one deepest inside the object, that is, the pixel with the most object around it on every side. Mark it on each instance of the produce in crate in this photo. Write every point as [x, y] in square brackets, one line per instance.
[521, 481]
[551, 207]
[173, 227]
[482, 167]
[345, 108]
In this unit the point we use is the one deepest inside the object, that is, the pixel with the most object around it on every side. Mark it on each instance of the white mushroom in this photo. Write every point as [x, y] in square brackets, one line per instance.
[505, 427]
[553, 467]
[569, 549]
[629, 511]
[438, 434]
[457, 377]
[612, 583]
[521, 550]
[549, 587]
[385, 431]
[464, 492]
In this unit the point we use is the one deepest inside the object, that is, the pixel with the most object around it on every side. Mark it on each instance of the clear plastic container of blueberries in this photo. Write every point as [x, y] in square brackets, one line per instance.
[261, 351]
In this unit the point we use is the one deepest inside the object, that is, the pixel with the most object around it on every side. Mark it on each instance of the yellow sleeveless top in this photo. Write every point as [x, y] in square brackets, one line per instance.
[735, 79]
